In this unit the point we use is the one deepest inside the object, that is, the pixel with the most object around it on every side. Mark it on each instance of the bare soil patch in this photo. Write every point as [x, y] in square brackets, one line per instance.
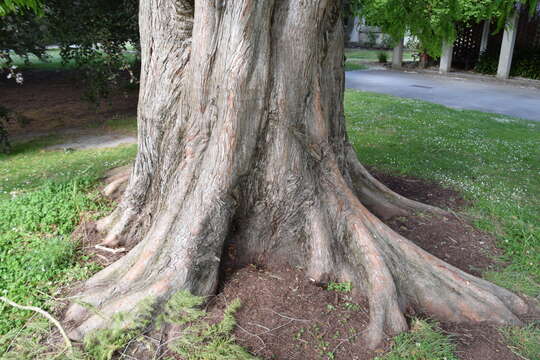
[452, 238]
[286, 316]
[51, 100]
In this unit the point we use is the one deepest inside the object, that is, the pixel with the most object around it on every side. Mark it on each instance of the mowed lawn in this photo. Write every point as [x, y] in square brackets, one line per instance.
[493, 160]
[357, 59]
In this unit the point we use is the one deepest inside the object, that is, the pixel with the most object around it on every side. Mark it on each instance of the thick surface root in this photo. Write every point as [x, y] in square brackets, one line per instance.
[116, 181]
[378, 198]
[397, 275]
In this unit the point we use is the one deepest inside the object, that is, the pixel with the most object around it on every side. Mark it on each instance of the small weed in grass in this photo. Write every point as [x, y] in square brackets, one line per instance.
[523, 341]
[424, 342]
[351, 306]
[339, 286]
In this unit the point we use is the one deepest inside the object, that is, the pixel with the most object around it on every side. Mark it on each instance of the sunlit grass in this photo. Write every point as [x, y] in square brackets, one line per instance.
[53, 61]
[370, 55]
[493, 160]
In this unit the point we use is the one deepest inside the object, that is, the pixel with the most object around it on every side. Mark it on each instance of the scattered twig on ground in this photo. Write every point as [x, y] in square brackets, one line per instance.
[114, 251]
[347, 340]
[255, 324]
[254, 335]
[288, 317]
[69, 346]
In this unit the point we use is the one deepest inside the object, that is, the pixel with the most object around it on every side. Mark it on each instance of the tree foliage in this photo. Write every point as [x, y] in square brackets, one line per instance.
[433, 21]
[95, 35]
[12, 6]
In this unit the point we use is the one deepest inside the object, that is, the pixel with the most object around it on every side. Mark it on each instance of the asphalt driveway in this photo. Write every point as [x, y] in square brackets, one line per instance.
[488, 96]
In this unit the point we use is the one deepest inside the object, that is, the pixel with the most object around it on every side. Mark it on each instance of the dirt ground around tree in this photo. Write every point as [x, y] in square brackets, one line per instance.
[284, 315]
[48, 101]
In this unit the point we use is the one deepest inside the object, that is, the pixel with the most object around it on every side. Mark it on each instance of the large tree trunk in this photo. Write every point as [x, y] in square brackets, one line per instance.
[242, 139]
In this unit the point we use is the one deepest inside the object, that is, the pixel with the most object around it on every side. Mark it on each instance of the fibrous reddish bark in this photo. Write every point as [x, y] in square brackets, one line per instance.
[242, 138]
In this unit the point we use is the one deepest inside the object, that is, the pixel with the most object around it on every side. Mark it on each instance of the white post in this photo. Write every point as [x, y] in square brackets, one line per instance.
[507, 46]
[485, 37]
[354, 36]
[397, 55]
[446, 57]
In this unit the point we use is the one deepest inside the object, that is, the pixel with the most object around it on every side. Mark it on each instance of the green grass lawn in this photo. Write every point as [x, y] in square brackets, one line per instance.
[493, 160]
[370, 55]
[52, 61]
[42, 195]
[357, 59]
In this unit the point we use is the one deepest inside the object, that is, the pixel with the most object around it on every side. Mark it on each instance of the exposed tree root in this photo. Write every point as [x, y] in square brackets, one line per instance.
[116, 183]
[378, 198]
[396, 275]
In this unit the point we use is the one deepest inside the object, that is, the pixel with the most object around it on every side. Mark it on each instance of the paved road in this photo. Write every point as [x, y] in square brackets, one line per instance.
[488, 96]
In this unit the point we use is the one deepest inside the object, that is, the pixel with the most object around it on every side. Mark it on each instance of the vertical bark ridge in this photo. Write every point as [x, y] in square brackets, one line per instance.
[166, 37]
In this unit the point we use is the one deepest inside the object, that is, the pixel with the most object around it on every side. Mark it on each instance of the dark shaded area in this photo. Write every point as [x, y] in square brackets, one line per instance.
[50, 100]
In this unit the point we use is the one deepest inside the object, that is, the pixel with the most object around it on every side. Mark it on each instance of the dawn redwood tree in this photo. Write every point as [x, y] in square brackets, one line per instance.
[242, 140]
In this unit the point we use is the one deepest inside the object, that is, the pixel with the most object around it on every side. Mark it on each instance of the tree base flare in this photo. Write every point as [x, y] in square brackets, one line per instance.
[391, 272]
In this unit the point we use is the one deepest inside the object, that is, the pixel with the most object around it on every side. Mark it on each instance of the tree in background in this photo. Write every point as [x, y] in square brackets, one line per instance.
[96, 35]
[433, 21]
[93, 35]
[19, 34]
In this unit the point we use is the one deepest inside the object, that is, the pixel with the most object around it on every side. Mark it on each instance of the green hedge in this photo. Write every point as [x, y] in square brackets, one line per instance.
[526, 63]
